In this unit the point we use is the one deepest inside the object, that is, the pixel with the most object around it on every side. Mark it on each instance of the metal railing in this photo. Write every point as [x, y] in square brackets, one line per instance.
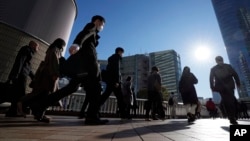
[74, 102]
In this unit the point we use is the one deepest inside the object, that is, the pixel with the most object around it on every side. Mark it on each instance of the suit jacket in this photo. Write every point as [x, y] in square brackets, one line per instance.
[217, 83]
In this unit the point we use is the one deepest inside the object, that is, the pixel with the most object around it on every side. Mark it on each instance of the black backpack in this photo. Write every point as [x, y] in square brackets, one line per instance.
[171, 101]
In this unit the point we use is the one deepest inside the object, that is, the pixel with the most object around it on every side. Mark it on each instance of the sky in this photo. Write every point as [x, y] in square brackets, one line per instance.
[189, 27]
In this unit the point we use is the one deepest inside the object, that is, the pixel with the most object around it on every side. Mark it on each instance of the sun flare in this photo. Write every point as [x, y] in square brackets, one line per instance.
[202, 53]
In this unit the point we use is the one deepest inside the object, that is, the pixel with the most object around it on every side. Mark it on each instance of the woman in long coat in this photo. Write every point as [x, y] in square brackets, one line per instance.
[47, 75]
[188, 92]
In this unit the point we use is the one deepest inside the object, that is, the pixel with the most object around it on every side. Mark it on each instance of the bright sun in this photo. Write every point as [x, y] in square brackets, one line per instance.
[202, 53]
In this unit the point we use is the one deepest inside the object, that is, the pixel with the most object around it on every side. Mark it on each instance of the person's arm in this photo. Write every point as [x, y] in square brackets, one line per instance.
[88, 30]
[211, 79]
[18, 64]
[235, 76]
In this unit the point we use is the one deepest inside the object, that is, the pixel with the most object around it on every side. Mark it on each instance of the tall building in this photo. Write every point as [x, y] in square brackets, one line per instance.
[169, 65]
[136, 66]
[234, 21]
[40, 20]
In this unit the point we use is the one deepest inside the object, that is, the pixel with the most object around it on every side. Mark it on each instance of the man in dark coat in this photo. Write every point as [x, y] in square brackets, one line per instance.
[222, 79]
[155, 99]
[85, 71]
[113, 80]
[19, 74]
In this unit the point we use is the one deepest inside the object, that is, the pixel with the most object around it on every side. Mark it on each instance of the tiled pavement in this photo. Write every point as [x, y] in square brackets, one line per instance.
[68, 128]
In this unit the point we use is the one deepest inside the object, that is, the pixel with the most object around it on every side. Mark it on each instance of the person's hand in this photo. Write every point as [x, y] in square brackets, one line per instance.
[116, 85]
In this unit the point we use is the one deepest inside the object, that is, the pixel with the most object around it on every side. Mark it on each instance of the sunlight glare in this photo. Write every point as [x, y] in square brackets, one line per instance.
[202, 53]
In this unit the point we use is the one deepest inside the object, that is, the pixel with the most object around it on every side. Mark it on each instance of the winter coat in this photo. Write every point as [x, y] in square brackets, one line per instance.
[154, 82]
[22, 65]
[127, 93]
[47, 74]
[113, 69]
[85, 60]
[223, 76]
[187, 89]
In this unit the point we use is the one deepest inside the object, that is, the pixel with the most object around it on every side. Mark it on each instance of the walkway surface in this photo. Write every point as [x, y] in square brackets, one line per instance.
[69, 128]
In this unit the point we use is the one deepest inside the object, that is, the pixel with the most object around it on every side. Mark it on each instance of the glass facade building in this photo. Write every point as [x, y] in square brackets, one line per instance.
[136, 66]
[234, 21]
[169, 66]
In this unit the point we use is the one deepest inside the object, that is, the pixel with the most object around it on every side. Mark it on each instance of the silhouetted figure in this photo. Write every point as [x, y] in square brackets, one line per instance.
[113, 81]
[46, 78]
[244, 109]
[188, 92]
[154, 95]
[172, 102]
[211, 108]
[84, 70]
[222, 79]
[19, 74]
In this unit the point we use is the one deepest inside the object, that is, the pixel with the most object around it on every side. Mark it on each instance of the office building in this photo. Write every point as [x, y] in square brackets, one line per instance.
[169, 65]
[234, 21]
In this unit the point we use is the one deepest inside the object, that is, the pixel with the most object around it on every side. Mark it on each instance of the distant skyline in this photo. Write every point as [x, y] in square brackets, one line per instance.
[151, 26]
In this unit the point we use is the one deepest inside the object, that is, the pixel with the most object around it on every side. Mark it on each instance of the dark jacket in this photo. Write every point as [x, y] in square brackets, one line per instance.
[85, 60]
[187, 89]
[113, 69]
[22, 65]
[223, 76]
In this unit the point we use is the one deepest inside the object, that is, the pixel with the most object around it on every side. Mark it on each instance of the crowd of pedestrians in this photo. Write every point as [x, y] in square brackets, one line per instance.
[82, 69]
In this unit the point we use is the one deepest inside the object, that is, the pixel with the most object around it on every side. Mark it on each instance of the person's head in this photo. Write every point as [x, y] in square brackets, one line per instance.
[58, 43]
[34, 46]
[99, 22]
[172, 93]
[219, 60]
[210, 99]
[129, 78]
[119, 50]
[186, 69]
[155, 69]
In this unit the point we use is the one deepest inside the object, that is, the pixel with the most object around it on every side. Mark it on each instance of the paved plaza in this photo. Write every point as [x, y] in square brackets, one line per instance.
[70, 128]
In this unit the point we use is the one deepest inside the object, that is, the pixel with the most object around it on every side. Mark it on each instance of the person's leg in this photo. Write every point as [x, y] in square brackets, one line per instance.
[93, 90]
[20, 87]
[84, 106]
[229, 101]
[38, 107]
[120, 102]
[148, 105]
[106, 93]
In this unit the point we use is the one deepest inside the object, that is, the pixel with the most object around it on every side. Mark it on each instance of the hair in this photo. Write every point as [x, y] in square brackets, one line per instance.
[97, 17]
[129, 78]
[118, 49]
[58, 43]
[154, 68]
